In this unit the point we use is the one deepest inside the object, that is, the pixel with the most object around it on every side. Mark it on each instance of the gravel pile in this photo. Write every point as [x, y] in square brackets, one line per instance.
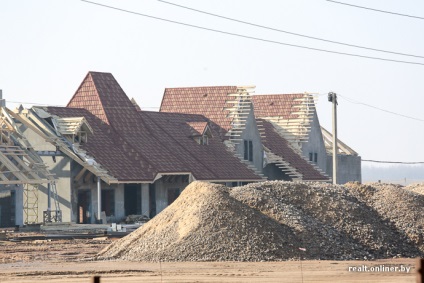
[206, 224]
[416, 188]
[402, 207]
[277, 220]
[331, 222]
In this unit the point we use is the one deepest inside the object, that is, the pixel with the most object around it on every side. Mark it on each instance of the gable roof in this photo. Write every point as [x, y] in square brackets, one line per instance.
[213, 103]
[136, 145]
[198, 128]
[210, 101]
[72, 125]
[283, 120]
[290, 161]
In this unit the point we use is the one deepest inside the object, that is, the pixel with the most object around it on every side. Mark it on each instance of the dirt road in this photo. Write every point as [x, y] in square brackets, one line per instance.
[66, 261]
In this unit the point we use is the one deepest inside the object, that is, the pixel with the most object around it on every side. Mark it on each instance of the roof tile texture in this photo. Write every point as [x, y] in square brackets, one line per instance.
[136, 145]
[207, 101]
[276, 105]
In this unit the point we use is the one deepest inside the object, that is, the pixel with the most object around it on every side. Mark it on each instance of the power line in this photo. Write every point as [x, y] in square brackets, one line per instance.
[392, 162]
[254, 38]
[34, 103]
[289, 32]
[376, 10]
[107, 107]
[378, 108]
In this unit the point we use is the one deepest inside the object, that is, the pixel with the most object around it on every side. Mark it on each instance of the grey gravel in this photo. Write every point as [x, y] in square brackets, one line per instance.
[279, 220]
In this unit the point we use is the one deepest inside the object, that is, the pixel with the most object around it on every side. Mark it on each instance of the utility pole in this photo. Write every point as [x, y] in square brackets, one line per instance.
[332, 97]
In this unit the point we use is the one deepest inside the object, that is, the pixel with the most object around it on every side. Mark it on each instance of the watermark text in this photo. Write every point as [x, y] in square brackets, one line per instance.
[380, 268]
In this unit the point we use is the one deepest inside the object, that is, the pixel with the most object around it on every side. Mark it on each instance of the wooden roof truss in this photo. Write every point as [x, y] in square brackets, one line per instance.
[296, 130]
[30, 119]
[19, 163]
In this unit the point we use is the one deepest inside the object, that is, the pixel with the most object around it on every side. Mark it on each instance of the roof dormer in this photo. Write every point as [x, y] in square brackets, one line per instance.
[200, 132]
[75, 129]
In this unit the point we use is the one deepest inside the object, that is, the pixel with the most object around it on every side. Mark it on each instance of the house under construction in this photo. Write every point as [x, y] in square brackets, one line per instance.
[101, 158]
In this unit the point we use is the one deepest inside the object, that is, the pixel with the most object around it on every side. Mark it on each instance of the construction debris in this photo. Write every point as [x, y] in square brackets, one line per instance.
[277, 220]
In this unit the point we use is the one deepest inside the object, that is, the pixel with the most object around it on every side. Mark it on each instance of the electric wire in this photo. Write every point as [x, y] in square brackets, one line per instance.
[252, 37]
[55, 105]
[378, 108]
[393, 162]
[289, 32]
[376, 10]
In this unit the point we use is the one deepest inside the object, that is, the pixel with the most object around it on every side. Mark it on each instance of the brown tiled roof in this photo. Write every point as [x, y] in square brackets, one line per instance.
[276, 105]
[280, 146]
[109, 149]
[102, 95]
[136, 145]
[207, 162]
[208, 101]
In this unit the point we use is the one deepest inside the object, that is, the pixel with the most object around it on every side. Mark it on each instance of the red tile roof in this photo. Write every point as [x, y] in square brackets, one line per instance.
[276, 105]
[197, 128]
[208, 101]
[136, 145]
[280, 146]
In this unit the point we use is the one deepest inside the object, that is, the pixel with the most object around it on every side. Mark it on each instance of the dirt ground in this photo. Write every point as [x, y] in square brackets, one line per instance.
[68, 261]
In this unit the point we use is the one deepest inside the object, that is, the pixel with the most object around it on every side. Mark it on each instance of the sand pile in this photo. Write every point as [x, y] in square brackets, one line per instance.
[270, 221]
[206, 224]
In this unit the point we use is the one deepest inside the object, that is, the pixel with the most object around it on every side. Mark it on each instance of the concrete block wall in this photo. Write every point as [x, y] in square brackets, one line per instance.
[348, 168]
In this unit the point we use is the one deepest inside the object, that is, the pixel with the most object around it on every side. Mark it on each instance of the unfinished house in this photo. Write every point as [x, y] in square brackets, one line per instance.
[260, 142]
[22, 171]
[348, 160]
[291, 135]
[230, 111]
[293, 119]
[113, 160]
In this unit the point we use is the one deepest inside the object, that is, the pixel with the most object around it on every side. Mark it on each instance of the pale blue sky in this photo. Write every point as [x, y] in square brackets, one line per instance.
[48, 46]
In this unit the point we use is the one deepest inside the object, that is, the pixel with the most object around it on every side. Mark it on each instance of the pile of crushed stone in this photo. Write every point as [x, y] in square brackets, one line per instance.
[403, 207]
[416, 188]
[279, 220]
[206, 224]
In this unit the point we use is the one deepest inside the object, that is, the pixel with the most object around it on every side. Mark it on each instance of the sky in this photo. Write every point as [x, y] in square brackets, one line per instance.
[48, 46]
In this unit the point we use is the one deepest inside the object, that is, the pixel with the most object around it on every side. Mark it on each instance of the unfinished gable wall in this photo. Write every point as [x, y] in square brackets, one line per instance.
[251, 132]
[315, 145]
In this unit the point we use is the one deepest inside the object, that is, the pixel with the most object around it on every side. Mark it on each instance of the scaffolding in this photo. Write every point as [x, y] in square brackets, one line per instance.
[30, 204]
